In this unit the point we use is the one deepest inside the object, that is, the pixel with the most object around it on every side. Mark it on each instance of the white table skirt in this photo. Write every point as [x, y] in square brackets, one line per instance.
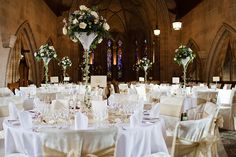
[132, 142]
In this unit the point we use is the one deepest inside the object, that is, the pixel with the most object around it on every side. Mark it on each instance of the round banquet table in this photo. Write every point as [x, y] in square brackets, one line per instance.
[131, 142]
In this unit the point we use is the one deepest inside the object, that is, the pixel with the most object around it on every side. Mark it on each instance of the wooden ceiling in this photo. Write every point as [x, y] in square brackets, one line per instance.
[178, 7]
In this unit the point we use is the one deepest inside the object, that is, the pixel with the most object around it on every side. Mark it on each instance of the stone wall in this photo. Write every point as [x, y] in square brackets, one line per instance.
[204, 23]
[42, 21]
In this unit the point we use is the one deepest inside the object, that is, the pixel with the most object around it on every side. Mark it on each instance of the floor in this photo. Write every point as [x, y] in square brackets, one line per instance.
[229, 141]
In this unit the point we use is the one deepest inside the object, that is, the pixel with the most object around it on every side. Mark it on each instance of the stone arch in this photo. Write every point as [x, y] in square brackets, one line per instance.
[195, 68]
[222, 35]
[24, 30]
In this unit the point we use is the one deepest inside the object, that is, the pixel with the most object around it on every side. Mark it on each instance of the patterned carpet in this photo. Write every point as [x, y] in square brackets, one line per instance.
[229, 141]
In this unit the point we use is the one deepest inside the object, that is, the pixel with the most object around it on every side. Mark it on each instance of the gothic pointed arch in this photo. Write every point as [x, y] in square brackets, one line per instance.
[21, 64]
[195, 69]
[224, 42]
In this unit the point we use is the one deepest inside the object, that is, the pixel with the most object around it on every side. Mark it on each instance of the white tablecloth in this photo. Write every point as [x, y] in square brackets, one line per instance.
[132, 142]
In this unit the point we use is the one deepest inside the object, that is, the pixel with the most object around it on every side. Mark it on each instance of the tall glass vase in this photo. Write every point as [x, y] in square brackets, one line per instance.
[45, 65]
[86, 40]
[64, 71]
[145, 75]
[185, 63]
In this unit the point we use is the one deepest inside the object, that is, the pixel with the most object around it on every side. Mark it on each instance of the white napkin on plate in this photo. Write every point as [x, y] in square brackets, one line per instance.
[136, 118]
[155, 111]
[81, 121]
[25, 120]
[13, 111]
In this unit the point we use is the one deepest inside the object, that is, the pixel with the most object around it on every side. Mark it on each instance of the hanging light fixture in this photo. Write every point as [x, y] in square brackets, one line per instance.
[156, 31]
[177, 25]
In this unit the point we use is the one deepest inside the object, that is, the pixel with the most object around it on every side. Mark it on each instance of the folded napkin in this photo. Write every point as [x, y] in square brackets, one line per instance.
[81, 121]
[13, 111]
[25, 120]
[136, 118]
[155, 111]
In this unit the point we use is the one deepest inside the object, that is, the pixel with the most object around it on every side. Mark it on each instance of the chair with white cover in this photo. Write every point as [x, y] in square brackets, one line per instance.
[170, 111]
[202, 97]
[141, 91]
[85, 143]
[227, 102]
[196, 138]
[123, 88]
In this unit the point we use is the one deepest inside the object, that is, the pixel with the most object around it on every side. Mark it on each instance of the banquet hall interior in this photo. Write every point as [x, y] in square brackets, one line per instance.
[124, 78]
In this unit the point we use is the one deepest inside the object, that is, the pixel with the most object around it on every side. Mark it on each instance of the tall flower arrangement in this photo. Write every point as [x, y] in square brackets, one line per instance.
[183, 56]
[45, 53]
[65, 62]
[86, 26]
[145, 64]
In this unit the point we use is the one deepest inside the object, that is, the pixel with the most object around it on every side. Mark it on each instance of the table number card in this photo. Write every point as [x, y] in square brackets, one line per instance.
[99, 81]
[54, 79]
[175, 80]
[66, 79]
[141, 79]
[216, 78]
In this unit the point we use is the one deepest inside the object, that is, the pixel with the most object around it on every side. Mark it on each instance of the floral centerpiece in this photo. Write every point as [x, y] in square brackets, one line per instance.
[86, 26]
[45, 53]
[145, 64]
[183, 56]
[65, 62]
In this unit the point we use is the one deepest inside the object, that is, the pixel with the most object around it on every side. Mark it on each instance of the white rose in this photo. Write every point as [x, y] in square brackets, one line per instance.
[82, 25]
[35, 54]
[51, 47]
[55, 56]
[64, 30]
[75, 21]
[94, 14]
[42, 54]
[106, 26]
[96, 21]
[83, 7]
[100, 40]
[176, 50]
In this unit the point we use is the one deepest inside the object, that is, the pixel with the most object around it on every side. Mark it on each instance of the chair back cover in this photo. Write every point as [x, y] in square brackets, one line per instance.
[98, 142]
[197, 138]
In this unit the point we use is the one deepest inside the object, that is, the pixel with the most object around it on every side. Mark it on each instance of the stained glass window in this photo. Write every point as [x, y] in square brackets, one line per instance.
[109, 59]
[120, 64]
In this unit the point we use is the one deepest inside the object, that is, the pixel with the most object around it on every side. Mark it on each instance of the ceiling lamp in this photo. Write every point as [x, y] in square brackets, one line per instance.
[177, 25]
[156, 31]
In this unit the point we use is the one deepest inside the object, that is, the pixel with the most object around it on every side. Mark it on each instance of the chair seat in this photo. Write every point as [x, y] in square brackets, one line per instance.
[17, 155]
[159, 154]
